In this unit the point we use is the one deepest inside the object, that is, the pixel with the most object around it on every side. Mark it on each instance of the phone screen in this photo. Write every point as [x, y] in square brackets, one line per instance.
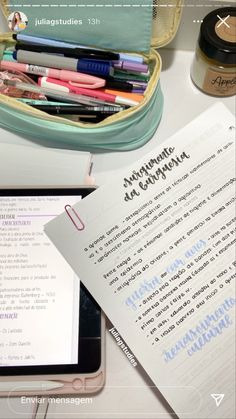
[39, 292]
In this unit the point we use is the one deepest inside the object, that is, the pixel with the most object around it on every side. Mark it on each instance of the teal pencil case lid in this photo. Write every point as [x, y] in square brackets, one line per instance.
[133, 27]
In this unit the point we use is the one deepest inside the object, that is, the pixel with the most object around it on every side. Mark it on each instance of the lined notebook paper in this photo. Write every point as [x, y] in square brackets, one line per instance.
[156, 248]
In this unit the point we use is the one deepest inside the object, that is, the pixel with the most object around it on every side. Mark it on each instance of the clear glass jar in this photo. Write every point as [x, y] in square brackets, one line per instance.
[214, 67]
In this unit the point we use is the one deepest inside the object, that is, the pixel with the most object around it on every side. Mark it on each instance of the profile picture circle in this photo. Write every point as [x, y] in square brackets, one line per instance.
[17, 21]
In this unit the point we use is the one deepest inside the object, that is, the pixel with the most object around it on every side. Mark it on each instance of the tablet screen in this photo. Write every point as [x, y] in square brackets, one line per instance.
[39, 292]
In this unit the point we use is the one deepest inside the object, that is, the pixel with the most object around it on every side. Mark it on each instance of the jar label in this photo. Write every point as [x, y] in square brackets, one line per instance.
[219, 83]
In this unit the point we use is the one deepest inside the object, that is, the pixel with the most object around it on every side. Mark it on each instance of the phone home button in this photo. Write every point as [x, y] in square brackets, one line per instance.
[77, 384]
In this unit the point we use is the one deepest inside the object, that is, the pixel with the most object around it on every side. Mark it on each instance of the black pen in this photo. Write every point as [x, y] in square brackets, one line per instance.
[69, 52]
[78, 110]
[126, 85]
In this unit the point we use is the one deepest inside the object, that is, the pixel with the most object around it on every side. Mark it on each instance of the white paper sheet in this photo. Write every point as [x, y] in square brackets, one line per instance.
[31, 165]
[158, 254]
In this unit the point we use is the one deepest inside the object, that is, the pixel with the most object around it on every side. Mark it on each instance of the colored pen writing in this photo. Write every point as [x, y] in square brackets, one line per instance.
[99, 68]
[82, 79]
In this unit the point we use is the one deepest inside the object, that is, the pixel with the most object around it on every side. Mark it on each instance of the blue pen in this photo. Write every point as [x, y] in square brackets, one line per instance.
[131, 58]
[61, 44]
[95, 67]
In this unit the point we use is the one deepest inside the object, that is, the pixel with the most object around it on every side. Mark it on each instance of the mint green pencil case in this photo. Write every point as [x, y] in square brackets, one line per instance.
[133, 26]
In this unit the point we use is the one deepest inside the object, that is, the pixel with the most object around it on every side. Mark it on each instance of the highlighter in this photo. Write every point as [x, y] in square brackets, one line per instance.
[93, 93]
[127, 95]
[83, 80]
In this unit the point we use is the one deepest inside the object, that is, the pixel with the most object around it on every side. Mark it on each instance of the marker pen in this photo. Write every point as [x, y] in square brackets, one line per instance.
[84, 80]
[52, 42]
[127, 76]
[125, 85]
[127, 95]
[60, 95]
[129, 66]
[58, 85]
[99, 68]
[89, 54]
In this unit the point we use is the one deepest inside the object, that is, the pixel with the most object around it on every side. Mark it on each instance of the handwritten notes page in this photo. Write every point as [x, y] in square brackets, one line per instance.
[157, 252]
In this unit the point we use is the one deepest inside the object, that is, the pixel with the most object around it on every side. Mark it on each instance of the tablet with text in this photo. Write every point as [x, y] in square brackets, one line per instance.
[51, 329]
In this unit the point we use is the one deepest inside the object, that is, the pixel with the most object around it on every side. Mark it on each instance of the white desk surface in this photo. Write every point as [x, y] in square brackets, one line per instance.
[128, 393]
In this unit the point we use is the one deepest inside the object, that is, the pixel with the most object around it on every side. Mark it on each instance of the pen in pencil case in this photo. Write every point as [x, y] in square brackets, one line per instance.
[54, 94]
[72, 108]
[8, 56]
[85, 80]
[47, 102]
[45, 41]
[89, 119]
[94, 93]
[12, 91]
[82, 53]
[99, 68]
[97, 108]
[131, 67]
[125, 85]
[78, 110]
[130, 80]
[70, 52]
[128, 95]
[128, 75]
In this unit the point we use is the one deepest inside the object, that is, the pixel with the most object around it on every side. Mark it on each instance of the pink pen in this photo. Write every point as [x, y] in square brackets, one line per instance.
[81, 80]
[73, 88]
